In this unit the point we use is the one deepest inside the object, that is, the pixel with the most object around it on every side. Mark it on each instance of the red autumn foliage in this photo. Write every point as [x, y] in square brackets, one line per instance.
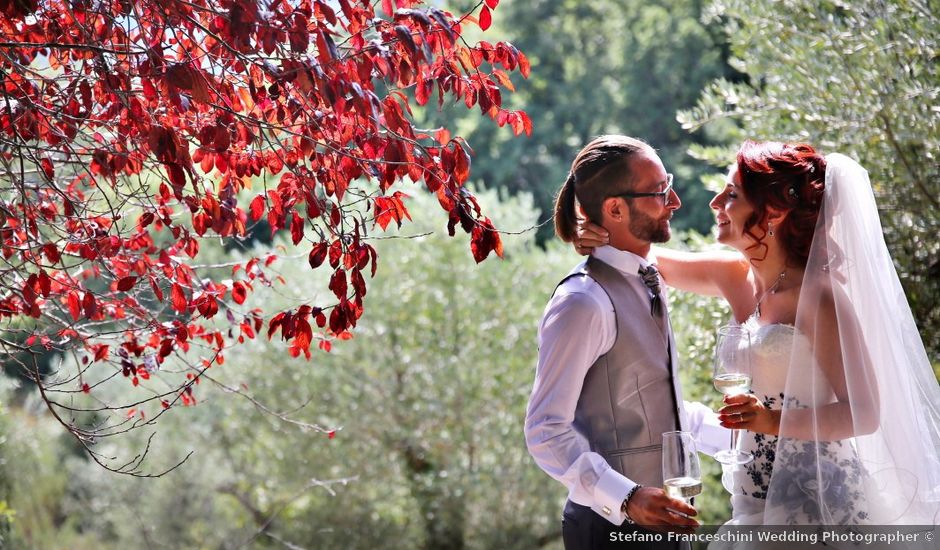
[131, 131]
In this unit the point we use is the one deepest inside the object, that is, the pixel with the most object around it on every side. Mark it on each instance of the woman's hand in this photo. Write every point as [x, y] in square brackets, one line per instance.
[746, 412]
[590, 236]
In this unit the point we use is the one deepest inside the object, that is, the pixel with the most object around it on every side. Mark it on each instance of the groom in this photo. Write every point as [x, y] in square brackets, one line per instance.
[606, 384]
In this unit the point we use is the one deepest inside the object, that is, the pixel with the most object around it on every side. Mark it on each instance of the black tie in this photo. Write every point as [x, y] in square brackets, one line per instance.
[651, 278]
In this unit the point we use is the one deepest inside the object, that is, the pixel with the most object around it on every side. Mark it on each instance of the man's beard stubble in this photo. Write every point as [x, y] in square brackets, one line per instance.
[648, 228]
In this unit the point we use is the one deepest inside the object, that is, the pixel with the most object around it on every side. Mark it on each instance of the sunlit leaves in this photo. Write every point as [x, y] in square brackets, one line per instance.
[160, 125]
[391, 208]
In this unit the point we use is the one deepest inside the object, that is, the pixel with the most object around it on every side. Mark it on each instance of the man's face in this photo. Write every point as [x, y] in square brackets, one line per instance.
[649, 216]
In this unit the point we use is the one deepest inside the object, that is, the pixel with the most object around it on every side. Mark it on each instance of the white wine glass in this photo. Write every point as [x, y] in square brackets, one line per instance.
[732, 376]
[682, 473]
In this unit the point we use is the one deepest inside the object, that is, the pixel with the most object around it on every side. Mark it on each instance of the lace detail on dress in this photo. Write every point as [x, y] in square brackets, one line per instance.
[765, 452]
[841, 500]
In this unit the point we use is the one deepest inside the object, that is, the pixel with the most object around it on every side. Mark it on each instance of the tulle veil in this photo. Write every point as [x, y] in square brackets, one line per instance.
[889, 409]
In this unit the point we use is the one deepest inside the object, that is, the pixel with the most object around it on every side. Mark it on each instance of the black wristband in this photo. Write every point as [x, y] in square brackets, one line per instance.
[626, 501]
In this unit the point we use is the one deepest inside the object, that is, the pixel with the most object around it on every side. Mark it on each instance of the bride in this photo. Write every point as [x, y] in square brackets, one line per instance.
[844, 415]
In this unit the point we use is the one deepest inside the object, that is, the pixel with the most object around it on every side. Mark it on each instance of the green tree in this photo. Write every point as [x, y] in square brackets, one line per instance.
[859, 78]
[606, 66]
[425, 405]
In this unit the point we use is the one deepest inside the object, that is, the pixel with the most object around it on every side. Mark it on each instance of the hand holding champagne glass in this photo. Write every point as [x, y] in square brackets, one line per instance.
[682, 473]
[732, 376]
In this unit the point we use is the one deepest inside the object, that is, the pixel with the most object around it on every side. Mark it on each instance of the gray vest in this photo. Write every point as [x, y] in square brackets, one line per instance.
[630, 394]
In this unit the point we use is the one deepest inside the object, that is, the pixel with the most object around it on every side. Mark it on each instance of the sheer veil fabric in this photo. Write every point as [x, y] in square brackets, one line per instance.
[864, 381]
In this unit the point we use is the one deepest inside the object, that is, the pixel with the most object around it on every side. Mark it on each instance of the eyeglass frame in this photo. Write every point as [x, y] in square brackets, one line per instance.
[664, 193]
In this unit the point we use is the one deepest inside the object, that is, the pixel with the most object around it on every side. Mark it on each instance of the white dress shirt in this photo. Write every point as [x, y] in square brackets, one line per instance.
[578, 326]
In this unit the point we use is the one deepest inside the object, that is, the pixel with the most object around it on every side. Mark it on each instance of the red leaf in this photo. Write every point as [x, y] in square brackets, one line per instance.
[45, 284]
[462, 164]
[359, 284]
[179, 298]
[47, 168]
[485, 239]
[101, 352]
[126, 283]
[52, 252]
[317, 255]
[486, 18]
[257, 208]
[523, 65]
[504, 80]
[75, 307]
[338, 284]
[492, 3]
[239, 293]
[338, 321]
[156, 289]
[296, 228]
[526, 122]
[336, 252]
[89, 304]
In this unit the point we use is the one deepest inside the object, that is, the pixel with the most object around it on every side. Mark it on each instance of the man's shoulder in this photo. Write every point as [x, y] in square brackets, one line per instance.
[579, 291]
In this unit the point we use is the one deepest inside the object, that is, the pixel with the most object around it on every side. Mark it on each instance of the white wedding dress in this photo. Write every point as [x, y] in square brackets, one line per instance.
[834, 462]
[887, 472]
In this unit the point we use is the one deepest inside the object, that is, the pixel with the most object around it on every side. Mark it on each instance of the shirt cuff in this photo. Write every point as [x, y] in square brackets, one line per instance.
[709, 435]
[609, 492]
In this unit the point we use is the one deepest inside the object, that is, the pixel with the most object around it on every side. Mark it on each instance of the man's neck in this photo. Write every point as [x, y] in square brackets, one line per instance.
[640, 248]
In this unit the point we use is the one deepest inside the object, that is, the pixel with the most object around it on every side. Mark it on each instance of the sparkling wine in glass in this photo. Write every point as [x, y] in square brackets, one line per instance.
[732, 376]
[682, 473]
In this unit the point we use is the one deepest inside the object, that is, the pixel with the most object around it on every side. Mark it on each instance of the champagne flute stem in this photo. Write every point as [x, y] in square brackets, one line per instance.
[734, 440]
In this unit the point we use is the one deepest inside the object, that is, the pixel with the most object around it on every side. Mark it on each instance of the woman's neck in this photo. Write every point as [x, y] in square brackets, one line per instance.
[770, 270]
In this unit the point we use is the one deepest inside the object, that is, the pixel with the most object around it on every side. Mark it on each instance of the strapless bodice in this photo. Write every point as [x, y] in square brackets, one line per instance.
[771, 348]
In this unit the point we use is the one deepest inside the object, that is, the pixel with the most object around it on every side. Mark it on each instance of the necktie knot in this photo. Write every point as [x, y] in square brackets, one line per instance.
[650, 276]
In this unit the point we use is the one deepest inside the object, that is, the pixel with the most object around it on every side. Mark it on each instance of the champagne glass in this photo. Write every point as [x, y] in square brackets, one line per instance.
[732, 376]
[682, 473]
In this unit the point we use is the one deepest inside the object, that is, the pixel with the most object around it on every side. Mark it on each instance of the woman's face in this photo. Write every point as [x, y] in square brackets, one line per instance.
[732, 210]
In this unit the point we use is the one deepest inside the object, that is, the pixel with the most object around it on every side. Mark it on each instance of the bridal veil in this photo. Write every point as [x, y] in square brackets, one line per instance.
[865, 381]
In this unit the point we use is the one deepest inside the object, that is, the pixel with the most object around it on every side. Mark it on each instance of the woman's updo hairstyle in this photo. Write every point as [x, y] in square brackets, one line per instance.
[787, 178]
[601, 170]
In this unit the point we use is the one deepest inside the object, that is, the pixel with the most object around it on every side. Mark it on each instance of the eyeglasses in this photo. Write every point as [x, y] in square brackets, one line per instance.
[665, 193]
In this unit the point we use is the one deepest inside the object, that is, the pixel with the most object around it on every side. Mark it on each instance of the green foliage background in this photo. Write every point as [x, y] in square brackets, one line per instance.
[429, 396]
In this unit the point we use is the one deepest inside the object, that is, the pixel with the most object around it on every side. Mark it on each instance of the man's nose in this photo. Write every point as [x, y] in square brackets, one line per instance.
[674, 202]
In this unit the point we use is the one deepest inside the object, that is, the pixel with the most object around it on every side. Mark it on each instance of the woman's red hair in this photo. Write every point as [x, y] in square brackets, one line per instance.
[787, 178]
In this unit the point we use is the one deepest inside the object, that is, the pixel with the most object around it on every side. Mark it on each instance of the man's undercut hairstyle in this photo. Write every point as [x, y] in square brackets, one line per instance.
[601, 170]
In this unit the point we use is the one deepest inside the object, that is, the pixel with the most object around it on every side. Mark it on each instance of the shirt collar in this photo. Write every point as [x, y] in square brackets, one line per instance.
[624, 261]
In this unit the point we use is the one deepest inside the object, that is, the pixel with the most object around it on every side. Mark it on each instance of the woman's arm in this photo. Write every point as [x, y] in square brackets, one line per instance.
[714, 273]
[856, 410]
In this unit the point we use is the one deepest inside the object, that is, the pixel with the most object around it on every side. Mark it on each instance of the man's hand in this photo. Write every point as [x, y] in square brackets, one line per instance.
[653, 509]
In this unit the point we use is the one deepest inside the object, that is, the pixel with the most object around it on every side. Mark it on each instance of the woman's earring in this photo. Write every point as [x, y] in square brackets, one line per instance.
[770, 230]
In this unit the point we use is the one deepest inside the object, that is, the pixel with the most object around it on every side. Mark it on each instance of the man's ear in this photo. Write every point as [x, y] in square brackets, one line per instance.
[614, 208]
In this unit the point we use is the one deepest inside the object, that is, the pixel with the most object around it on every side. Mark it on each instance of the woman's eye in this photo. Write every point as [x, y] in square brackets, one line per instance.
[733, 195]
